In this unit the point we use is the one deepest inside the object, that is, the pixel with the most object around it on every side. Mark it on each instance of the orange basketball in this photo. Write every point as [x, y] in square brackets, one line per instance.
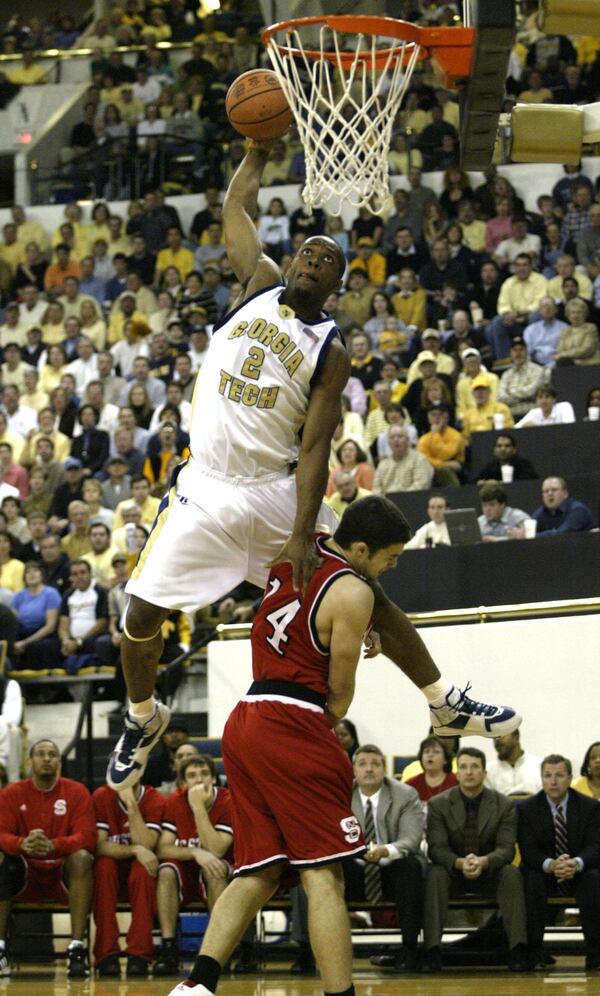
[256, 105]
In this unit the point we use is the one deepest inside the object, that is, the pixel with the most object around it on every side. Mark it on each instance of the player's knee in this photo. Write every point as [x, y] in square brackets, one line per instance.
[79, 864]
[166, 879]
[143, 619]
[329, 878]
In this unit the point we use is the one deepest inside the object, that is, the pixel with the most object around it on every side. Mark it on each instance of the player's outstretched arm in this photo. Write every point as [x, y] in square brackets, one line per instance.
[323, 415]
[253, 268]
[401, 642]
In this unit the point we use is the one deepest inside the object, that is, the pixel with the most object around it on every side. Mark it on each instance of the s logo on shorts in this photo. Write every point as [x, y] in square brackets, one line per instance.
[351, 828]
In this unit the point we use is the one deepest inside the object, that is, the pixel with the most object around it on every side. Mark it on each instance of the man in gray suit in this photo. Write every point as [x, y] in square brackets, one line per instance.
[391, 819]
[471, 833]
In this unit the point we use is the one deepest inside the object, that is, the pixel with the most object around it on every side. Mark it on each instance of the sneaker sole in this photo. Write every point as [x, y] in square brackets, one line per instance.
[137, 772]
[499, 729]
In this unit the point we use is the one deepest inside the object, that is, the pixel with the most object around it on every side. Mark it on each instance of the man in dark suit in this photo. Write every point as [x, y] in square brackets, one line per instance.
[471, 832]
[559, 838]
[391, 819]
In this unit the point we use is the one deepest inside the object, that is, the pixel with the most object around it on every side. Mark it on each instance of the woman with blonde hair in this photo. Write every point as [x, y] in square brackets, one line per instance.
[92, 324]
[53, 324]
[578, 344]
[434, 392]
[53, 369]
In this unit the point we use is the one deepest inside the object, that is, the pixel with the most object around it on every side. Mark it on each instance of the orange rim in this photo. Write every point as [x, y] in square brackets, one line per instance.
[451, 49]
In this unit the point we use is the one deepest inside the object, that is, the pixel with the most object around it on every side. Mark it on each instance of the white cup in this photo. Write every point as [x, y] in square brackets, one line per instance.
[508, 473]
[498, 420]
[530, 528]
[130, 540]
[594, 413]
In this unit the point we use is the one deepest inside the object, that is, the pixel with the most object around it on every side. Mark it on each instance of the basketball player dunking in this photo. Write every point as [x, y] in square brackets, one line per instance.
[263, 414]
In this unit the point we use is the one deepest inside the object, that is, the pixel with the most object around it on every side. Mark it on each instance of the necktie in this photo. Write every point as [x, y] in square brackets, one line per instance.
[561, 843]
[373, 890]
[470, 831]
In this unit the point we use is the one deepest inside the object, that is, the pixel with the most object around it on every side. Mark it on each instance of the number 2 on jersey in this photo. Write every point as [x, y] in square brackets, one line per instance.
[280, 619]
[251, 366]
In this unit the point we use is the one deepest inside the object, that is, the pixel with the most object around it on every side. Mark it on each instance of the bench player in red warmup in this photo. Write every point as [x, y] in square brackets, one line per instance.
[289, 776]
[263, 415]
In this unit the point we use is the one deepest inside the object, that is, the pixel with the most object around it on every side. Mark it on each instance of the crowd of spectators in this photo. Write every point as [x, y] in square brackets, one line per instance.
[447, 826]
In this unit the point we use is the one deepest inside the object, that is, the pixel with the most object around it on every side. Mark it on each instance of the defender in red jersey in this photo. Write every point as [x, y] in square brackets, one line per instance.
[126, 866]
[290, 779]
[47, 839]
[195, 851]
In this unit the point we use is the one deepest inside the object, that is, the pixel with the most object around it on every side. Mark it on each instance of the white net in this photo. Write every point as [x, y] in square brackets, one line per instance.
[344, 108]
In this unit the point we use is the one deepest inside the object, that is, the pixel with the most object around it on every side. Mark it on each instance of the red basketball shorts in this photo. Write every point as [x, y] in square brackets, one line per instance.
[291, 787]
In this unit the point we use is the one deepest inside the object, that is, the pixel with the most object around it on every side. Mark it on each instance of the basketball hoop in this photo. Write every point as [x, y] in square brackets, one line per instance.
[345, 94]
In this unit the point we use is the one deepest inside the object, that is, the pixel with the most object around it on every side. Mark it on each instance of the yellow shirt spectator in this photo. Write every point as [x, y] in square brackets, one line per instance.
[464, 391]
[480, 417]
[521, 296]
[11, 575]
[411, 308]
[148, 508]
[374, 262]
[115, 326]
[440, 447]
[28, 75]
[555, 288]
[182, 258]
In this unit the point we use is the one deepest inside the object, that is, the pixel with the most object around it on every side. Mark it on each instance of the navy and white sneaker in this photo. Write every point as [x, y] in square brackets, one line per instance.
[78, 965]
[128, 760]
[461, 716]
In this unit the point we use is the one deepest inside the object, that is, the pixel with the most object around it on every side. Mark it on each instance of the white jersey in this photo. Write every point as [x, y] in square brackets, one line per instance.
[252, 393]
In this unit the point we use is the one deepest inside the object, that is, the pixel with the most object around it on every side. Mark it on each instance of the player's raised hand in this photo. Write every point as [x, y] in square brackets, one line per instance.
[301, 553]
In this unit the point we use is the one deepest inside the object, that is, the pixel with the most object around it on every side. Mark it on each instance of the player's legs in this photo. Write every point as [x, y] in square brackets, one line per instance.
[329, 926]
[167, 901]
[78, 874]
[452, 712]
[141, 888]
[104, 906]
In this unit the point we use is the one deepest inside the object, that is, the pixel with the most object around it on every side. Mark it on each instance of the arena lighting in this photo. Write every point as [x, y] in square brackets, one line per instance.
[551, 133]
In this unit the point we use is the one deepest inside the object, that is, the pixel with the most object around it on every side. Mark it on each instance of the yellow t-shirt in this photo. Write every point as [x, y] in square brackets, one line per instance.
[182, 258]
[28, 75]
[11, 575]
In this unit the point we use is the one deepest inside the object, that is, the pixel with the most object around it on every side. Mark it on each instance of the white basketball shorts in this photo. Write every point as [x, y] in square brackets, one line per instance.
[211, 533]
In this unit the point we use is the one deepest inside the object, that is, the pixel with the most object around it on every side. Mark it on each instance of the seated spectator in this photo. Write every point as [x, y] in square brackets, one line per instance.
[101, 553]
[84, 368]
[560, 513]
[559, 835]
[515, 772]
[40, 495]
[352, 458]
[129, 824]
[391, 820]
[416, 399]
[11, 568]
[117, 487]
[56, 363]
[521, 294]
[505, 455]
[437, 775]
[70, 490]
[56, 566]
[431, 341]
[579, 342]
[37, 526]
[154, 387]
[471, 833]
[347, 735]
[472, 368]
[346, 490]
[32, 396]
[440, 270]
[83, 615]
[364, 365]
[434, 532]
[565, 267]
[11, 473]
[518, 384]
[589, 781]
[92, 496]
[356, 301]
[379, 399]
[13, 369]
[91, 447]
[394, 414]
[521, 241]
[93, 326]
[443, 447]
[405, 469]
[36, 607]
[194, 850]
[410, 300]
[499, 521]
[48, 837]
[16, 523]
[548, 411]
[140, 494]
[58, 272]
[484, 413]
[14, 440]
[76, 542]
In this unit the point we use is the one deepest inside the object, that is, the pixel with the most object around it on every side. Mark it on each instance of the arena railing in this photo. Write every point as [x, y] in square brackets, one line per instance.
[479, 614]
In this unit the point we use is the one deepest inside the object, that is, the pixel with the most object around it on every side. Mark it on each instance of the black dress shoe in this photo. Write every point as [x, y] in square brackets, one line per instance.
[433, 961]
[519, 959]
[383, 960]
[304, 964]
[109, 968]
[408, 961]
[137, 968]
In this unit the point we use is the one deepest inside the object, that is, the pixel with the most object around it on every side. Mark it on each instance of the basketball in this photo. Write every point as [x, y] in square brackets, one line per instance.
[256, 105]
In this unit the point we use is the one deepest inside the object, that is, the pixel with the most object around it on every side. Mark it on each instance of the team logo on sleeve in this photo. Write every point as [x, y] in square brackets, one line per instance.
[60, 807]
[351, 829]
